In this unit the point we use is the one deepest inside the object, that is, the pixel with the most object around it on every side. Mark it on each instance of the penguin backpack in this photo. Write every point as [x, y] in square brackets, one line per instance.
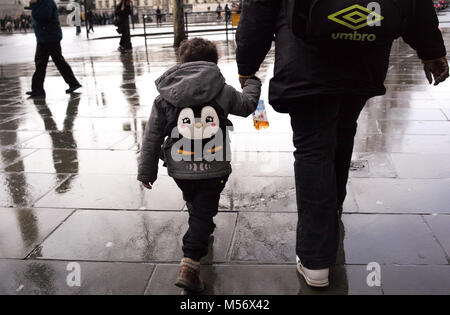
[198, 139]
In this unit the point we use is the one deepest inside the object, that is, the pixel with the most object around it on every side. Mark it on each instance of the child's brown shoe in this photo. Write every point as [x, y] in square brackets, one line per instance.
[189, 276]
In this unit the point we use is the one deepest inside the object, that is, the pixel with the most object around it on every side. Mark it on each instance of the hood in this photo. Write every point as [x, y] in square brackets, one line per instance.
[191, 83]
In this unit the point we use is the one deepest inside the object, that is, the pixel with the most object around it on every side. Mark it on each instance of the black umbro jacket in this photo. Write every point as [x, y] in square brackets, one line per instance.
[304, 68]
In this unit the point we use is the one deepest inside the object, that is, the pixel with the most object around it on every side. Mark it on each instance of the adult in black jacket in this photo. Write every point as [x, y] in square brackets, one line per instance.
[45, 21]
[324, 87]
[123, 11]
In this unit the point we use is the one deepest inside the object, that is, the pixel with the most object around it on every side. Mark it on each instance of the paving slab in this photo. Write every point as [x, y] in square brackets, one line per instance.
[261, 280]
[281, 164]
[132, 236]
[403, 114]
[422, 165]
[8, 138]
[73, 140]
[105, 191]
[265, 238]
[447, 113]
[11, 156]
[21, 230]
[80, 162]
[390, 239]
[439, 225]
[377, 165]
[50, 278]
[396, 127]
[266, 194]
[416, 280]
[426, 196]
[24, 189]
[404, 143]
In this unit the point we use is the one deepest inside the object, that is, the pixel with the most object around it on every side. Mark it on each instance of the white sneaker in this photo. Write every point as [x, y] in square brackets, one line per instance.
[314, 278]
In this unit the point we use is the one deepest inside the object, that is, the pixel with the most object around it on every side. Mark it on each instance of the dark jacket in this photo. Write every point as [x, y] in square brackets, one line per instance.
[189, 85]
[125, 12]
[307, 68]
[45, 21]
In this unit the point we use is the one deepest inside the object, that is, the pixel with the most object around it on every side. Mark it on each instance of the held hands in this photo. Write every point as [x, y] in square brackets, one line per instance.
[244, 78]
[147, 185]
[437, 69]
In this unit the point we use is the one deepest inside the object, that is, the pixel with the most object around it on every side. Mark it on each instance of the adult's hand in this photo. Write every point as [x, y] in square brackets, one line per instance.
[436, 69]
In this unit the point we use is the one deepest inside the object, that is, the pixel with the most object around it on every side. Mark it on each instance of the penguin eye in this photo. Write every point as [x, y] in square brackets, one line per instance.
[209, 119]
[186, 121]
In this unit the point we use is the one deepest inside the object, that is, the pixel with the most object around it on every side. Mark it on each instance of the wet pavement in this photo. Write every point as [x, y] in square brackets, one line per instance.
[69, 191]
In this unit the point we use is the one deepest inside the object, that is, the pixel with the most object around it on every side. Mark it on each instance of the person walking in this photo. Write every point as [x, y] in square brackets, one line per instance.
[190, 118]
[219, 12]
[123, 10]
[325, 71]
[90, 20]
[77, 17]
[45, 21]
[158, 17]
[23, 23]
[227, 13]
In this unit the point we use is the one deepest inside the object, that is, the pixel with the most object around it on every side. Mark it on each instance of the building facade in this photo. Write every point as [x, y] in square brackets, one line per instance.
[164, 5]
[12, 7]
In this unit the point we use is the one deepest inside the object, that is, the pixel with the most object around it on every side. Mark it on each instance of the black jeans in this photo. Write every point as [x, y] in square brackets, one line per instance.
[43, 52]
[324, 129]
[202, 200]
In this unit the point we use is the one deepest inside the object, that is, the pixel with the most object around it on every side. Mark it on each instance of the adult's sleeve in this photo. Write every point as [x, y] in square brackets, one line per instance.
[423, 33]
[255, 33]
[151, 145]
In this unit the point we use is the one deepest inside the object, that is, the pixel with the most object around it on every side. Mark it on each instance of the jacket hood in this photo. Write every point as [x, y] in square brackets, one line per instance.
[191, 83]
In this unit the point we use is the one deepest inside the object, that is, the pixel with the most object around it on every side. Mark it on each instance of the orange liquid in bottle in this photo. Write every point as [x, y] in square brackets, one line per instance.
[259, 124]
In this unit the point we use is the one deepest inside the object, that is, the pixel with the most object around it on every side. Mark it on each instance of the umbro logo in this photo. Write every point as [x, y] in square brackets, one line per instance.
[356, 17]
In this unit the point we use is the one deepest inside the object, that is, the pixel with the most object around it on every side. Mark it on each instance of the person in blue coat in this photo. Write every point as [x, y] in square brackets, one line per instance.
[45, 21]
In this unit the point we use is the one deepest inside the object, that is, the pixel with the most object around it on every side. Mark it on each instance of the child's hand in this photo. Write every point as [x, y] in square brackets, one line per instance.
[147, 185]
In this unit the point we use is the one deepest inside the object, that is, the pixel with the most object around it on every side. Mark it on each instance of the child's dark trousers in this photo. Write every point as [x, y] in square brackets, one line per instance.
[202, 200]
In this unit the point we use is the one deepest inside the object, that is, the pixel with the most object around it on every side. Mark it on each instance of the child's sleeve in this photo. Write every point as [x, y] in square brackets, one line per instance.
[151, 145]
[245, 103]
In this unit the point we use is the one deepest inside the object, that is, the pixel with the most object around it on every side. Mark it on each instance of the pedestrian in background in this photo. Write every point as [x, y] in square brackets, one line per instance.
[90, 20]
[45, 21]
[323, 81]
[219, 11]
[9, 27]
[158, 17]
[123, 11]
[227, 13]
[23, 23]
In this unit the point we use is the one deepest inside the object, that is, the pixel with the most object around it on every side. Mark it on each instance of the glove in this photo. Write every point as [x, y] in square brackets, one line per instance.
[437, 69]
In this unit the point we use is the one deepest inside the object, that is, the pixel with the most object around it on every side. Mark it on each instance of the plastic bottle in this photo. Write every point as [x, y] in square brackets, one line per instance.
[260, 120]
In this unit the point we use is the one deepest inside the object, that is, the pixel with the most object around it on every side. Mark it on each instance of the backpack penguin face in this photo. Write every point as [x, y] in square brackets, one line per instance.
[197, 124]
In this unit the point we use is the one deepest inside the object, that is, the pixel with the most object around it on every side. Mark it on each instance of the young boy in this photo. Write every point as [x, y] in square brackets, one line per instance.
[190, 118]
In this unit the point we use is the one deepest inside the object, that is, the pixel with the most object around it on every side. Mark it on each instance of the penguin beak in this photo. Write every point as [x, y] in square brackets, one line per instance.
[198, 125]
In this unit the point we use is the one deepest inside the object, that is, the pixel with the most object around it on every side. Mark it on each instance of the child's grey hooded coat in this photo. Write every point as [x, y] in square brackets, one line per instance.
[188, 85]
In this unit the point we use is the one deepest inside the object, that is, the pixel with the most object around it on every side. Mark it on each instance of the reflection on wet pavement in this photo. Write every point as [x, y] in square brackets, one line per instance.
[68, 172]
